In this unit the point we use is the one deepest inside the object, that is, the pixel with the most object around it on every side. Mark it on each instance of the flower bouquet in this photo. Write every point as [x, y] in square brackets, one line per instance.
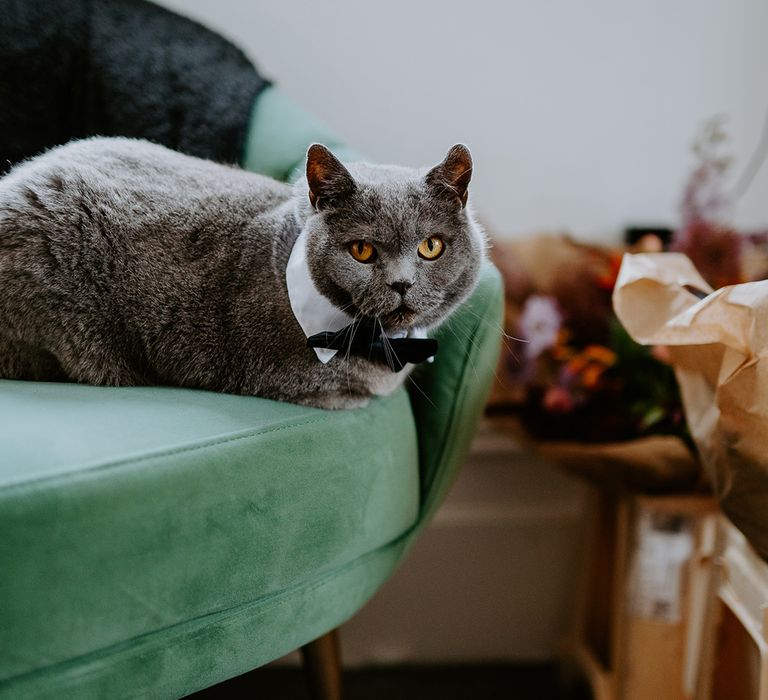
[588, 394]
[569, 370]
[583, 392]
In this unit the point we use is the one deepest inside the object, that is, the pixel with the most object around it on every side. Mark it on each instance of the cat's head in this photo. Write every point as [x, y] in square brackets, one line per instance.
[392, 243]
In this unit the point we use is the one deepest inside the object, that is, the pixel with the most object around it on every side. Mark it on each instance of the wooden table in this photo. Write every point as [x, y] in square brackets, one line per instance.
[734, 663]
[640, 625]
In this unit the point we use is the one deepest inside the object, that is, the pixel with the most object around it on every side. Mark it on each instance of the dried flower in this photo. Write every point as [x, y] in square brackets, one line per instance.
[705, 237]
[706, 197]
[714, 250]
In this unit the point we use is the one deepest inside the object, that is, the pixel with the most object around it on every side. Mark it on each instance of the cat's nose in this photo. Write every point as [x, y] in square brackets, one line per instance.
[402, 286]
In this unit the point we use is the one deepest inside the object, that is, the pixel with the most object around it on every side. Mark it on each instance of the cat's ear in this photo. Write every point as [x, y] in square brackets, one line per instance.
[329, 181]
[452, 176]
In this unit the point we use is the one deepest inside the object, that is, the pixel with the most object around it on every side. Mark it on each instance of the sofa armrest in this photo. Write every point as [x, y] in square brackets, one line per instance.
[279, 133]
[448, 396]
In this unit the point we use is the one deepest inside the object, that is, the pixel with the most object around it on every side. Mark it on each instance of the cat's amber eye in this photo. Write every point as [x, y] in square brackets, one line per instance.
[362, 251]
[431, 248]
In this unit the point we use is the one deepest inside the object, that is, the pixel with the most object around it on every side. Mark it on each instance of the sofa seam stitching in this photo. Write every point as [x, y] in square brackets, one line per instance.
[160, 455]
[280, 598]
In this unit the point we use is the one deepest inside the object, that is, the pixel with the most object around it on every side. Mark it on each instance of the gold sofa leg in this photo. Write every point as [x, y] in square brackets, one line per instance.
[322, 664]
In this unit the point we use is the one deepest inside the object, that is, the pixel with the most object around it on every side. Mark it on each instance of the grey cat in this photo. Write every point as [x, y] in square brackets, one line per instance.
[125, 263]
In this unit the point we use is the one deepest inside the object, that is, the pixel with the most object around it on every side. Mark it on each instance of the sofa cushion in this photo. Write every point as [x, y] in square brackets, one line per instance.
[127, 511]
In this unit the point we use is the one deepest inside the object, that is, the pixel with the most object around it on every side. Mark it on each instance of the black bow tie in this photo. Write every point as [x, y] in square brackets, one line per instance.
[364, 339]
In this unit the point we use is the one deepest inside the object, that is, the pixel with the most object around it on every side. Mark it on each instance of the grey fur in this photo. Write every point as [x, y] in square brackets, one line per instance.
[125, 263]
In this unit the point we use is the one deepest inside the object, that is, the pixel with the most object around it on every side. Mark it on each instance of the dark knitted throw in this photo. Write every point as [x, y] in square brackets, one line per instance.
[76, 68]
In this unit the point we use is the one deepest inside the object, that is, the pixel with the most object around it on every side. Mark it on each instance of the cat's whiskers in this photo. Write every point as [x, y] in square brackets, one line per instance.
[467, 338]
[505, 337]
[421, 391]
[342, 309]
[495, 324]
[389, 351]
[453, 326]
[351, 334]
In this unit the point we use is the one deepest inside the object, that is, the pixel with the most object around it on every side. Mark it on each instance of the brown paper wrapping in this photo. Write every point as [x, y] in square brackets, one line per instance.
[719, 347]
[651, 465]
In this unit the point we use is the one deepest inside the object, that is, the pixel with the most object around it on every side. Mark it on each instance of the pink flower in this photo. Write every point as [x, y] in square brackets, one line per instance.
[539, 324]
[558, 400]
[715, 250]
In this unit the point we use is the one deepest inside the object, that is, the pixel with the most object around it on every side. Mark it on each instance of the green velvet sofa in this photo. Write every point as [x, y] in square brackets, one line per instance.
[156, 541]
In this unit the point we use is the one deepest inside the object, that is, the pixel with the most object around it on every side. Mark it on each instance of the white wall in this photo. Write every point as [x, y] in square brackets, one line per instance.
[579, 112]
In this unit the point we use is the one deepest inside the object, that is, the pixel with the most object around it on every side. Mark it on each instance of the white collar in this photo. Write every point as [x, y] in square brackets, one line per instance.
[315, 312]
